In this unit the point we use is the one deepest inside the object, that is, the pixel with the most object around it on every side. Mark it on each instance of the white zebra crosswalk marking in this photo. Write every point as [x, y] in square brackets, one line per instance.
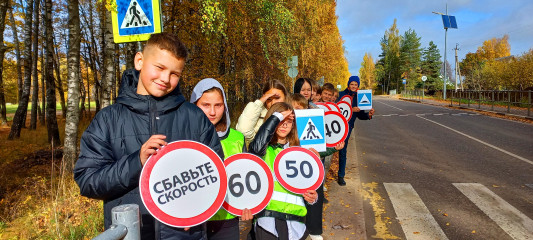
[416, 220]
[513, 222]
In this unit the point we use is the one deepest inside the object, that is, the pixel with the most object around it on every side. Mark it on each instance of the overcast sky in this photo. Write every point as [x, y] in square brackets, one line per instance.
[362, 23]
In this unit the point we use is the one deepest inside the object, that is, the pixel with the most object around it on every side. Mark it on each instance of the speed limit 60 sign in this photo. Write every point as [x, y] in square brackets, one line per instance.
[251, 184]
[184, 184]
[298, 169]
[336, 128]
[346, 110]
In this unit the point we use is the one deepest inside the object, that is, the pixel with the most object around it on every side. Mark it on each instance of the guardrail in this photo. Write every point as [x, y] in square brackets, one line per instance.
[125, 224]
[511, 102]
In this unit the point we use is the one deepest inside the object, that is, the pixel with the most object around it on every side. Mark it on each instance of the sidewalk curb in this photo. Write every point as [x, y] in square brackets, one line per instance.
[343, 216]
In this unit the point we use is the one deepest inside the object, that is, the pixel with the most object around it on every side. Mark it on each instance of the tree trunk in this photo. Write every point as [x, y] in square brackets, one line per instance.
[20, 114]
[51, 118]
[116, 73]
[43, 89]
[35, 94]
[59, 82]
[131, 50]
[73, 62]
[4, 5]
[17, 53]
[107, 66]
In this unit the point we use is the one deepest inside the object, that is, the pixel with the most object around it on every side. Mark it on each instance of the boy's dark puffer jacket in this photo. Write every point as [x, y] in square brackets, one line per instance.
[109, 166]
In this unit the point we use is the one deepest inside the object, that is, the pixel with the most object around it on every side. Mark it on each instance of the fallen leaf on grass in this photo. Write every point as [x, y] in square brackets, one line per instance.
[473, 231]
[495, 186]
[445, 214]
[416, 232]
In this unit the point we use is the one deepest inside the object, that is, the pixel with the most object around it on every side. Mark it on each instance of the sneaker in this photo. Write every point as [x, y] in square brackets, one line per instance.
[316, 237]
[341, 181]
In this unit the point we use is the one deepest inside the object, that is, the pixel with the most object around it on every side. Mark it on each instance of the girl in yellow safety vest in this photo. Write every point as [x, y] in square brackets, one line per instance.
[284, 216]
[209, 96]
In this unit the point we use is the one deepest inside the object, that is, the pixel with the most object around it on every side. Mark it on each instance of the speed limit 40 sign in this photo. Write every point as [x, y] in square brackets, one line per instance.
[250, 184]
[298, 169]
[336, 128]
[184, 184]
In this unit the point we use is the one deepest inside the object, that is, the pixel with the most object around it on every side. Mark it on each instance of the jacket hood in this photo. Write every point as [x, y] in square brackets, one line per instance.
[198, 91]
[129, 97]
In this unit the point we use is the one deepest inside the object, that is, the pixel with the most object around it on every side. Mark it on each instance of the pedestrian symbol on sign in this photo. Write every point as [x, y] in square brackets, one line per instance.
[311, 132]
[135, 17]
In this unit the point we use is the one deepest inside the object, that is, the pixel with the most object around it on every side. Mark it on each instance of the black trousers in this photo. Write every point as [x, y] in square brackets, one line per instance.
[281, 227]
[313, 219]
[223, 229]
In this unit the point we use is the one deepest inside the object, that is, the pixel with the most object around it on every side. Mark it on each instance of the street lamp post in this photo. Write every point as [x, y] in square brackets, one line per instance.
[449, 22]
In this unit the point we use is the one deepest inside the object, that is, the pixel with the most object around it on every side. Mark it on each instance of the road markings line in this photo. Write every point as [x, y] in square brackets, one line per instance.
[389, 105]
[480, 141]
[437, 114]
[513, 222]
[404, 115]
[415, 219]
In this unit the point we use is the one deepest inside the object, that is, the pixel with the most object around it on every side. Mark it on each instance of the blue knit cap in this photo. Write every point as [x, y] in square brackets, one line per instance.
[354, 78]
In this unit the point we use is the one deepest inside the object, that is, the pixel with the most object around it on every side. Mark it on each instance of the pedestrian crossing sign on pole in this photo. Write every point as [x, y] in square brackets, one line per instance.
[364, 99]
[136, 20]
[310, 128]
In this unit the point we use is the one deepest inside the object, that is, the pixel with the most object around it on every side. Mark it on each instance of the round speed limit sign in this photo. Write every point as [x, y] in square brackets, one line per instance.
[346, 110]
[184, 184]
[298, 169]
[323, 106]
[250, 184]
[336, 128]
[333, 106]
[346, 98]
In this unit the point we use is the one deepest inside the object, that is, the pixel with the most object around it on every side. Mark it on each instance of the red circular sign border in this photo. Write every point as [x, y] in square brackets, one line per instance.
[166, 218]
[345, 132]
[334, 104]
[351, 112]
[285, 184]
[323, 104]
[270, 177]
[351, 99]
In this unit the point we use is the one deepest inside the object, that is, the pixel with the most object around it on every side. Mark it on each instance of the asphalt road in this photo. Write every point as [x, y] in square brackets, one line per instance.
[436, 173]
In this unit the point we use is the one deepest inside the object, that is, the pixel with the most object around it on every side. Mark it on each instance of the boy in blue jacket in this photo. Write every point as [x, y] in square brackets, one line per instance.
[353, 86]
[149, 112]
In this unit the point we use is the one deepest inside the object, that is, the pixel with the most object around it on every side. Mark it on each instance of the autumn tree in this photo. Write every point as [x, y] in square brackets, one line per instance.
[410, 57]
[51, 118]
[73, 58]
[367, 72]
[4, 5]
[35, 92]
[20, 114]
[390, 57]
[430, 67]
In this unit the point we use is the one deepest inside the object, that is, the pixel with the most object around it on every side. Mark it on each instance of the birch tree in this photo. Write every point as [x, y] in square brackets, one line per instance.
[73, 62]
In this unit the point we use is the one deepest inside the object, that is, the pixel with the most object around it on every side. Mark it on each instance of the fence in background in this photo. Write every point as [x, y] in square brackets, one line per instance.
[513, 102]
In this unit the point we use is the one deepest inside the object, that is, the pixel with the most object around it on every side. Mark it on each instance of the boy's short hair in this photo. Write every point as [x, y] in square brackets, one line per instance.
[169, 42]
[328, 87]
[300, 99]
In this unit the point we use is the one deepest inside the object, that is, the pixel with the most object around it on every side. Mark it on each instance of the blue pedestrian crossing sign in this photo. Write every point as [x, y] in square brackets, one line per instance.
[310, 128]
[136, 20]
[364, 99]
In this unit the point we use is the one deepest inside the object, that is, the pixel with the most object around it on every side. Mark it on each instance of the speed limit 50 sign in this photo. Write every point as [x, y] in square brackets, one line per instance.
[298, 169]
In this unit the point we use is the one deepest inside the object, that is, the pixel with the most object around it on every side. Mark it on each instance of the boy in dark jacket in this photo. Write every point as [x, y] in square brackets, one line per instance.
[150, 111]
[353, 86]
